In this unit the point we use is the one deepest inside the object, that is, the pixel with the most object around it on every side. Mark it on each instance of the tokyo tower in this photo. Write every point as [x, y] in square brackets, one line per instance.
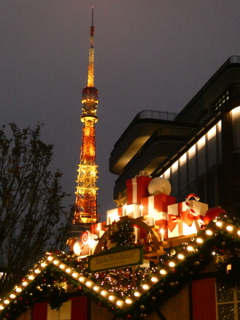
[86, 193]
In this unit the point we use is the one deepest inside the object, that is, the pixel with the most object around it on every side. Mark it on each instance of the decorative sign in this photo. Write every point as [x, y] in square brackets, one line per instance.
[117, 259]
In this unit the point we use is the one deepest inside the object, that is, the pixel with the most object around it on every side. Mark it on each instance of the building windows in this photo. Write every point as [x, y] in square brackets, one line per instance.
[221, 100]
[196, 169]
[236, 128]
[228, 303]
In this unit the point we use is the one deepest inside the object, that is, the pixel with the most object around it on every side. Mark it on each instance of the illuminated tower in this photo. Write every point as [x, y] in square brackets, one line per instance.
[86, 194]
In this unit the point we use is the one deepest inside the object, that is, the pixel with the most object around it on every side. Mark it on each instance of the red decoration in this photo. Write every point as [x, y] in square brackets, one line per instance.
[212, 213]
[137, 188]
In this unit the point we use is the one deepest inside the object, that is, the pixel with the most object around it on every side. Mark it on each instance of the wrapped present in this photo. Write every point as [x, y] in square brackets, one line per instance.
[98, 228]
[137, 188]
[157, 203]
[185, 218]
[114, 214]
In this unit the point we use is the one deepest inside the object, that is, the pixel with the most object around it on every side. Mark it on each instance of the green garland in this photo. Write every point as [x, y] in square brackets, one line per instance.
[48, 285]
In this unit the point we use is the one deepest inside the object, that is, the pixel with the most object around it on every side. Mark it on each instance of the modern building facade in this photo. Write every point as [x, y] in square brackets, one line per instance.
[197, 150]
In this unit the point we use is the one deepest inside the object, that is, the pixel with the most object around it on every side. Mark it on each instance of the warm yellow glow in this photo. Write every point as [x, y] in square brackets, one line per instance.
[1, 307]
[238, 232]
[37, 271]
[211, 133]
[111, 298]
[219, 223]
[201, 142]
[12, 296]
[190, 248]
[171, 264]
[236, 112]
[88, 283]
[74, 274]
[219, 126]
[103, 292]
[24, 283]
[6, 301]
[145, 287]
[50, 258]
[43, 264]
[163, 272]
[18, 289]
[136, 294]
[56, 262]
[119, 303]
[141, 207]
[175, 166]
[180, 256]
[209, 232]
[229, 228]
[154, 279]
[192, 151]
[199, 240]
[81, 279]
[167, 174]
[128, 301]
[68, 270]
[31, 277]
[62, 266]
[183, 159]
[96, 288]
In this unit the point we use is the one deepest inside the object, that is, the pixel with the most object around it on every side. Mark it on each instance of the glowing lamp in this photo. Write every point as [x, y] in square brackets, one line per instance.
[219, 223]
[229, 228]
[74, 274]
[180, 256]
[209, 232]
[128, 301]
[136, 294]
[163, 272]
[154, 279]
[145, 287]
[171, 264]
[88, 283]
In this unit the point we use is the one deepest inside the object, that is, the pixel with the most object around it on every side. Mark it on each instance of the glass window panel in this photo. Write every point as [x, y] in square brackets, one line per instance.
[224, 294]
[226, 311]
[212, 147]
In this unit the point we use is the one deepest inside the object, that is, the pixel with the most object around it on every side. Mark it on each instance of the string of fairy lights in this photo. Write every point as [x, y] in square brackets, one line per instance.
[125, 298]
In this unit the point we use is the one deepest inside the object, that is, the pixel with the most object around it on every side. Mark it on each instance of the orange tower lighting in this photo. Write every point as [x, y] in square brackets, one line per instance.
[86, 194]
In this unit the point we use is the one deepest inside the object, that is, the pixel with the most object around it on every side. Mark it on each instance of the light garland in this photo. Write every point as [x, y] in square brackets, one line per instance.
[177, 258]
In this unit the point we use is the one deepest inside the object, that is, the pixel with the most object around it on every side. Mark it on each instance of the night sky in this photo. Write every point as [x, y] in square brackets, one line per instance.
[149, 54]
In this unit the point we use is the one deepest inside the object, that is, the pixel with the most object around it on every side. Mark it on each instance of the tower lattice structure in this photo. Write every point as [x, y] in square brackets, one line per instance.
[86, 193]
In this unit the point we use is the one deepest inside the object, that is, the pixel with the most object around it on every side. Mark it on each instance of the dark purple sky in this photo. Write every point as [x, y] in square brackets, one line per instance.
[149, 54]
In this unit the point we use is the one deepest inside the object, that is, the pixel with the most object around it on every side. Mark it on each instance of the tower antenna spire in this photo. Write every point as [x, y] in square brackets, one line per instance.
[92, 15]
[86, 193]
